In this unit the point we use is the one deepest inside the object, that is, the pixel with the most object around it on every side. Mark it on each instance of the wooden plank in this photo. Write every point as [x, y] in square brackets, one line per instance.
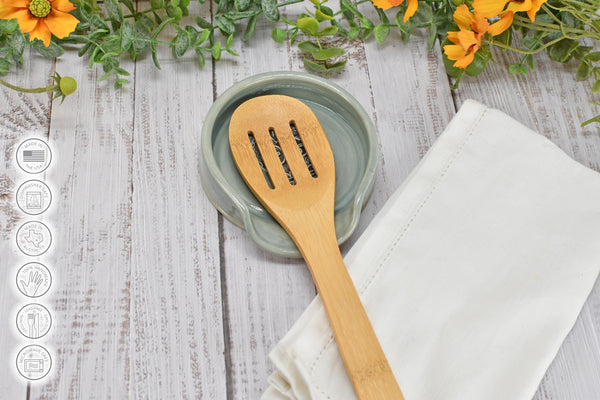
[411, 105]
[21, 116]
[89, 219]
[549, 101]
[263, 294]
[177, 327]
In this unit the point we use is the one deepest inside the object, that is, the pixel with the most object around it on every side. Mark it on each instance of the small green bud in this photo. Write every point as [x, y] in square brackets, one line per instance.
[67, 85]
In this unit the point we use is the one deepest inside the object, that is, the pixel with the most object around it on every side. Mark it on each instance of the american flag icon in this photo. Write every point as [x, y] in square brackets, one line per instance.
[34, 155]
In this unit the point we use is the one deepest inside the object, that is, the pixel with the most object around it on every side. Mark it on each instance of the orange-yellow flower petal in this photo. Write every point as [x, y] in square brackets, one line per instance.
[453, 36]
[489, 8]
[519, 5]
[463, 17]
[465, 61]
[41, 32]
[501, 25]
[63, 5]
[15, 3]
[8, 12]
[480, 24]
[27, 22]
[467, 39]
[61, 24]
[454, 51]
[535, 7]
[385, 4]
[411, 10]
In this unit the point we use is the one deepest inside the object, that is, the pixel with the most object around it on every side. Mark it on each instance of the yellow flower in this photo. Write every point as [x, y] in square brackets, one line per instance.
[41, 18]
[493, 8]
[410, 11]
[473, 26]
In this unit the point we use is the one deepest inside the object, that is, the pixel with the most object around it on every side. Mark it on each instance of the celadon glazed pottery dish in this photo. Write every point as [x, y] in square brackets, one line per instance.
[349, 130]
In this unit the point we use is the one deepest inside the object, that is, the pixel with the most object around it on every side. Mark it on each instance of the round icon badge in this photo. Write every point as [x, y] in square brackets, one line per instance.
[34, 279]
[33, 197]
[34, 321]
[34, 238]
[34, 362]
[34, 156]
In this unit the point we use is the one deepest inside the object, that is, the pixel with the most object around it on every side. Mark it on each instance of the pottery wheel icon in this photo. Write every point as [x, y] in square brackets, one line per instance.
[34, 238]
[34, 321]
[34, 362]
[33, 197]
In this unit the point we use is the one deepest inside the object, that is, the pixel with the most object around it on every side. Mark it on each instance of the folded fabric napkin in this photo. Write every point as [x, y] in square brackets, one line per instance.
[472, 274]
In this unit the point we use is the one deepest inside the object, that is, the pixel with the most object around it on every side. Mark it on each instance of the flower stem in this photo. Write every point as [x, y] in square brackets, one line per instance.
[25, 90]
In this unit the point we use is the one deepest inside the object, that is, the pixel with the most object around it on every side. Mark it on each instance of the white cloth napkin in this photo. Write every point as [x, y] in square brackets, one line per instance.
[472, 274]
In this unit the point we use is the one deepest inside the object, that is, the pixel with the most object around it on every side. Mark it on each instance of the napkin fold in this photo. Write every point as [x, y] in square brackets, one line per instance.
[472, 274]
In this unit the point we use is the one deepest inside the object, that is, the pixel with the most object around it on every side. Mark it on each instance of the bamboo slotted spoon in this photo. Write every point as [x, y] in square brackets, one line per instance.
[285, 158]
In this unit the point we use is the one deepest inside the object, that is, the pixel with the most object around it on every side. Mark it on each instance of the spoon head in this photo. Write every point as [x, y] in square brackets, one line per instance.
[282, 152]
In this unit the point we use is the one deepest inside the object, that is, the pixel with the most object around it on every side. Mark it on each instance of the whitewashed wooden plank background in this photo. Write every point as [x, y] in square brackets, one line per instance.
[156, 295]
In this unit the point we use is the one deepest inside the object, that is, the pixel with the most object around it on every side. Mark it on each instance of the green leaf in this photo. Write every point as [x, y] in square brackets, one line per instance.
[529, 60]
[325, 54]
[337, 65]
[308, 25]
[278, 35]
[229, 41]
[17, 45]
[202, 23]
[216, 51]
[126, 35]
[4, 66]
[84, 49]
[52, 51]
[562, 51]
[8, 25]
[382, 32]
[505, 37]
[321, 16]
[225, 25]
[314, 67]
[141, 39]
[174, 12]
[431, 36]
[155, 56]
[353, 32]
[242, 5]
[250, 28]
[120, 82]
[115, 12]
[308, 47]
[581, 52]
[315, 2]
[591, 120]
[129, 5]
[328, 31]
[422, 17]
[98, 24]
[157, 3]
[517, 69]
[594, 56]
[583, 72]
[180, 44]
[596, 87]
[270, 9]
[200, 57]
[327, 11]
[482, 57]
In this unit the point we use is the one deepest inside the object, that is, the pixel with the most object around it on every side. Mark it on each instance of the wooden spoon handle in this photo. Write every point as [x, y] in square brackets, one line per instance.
[363, 356]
